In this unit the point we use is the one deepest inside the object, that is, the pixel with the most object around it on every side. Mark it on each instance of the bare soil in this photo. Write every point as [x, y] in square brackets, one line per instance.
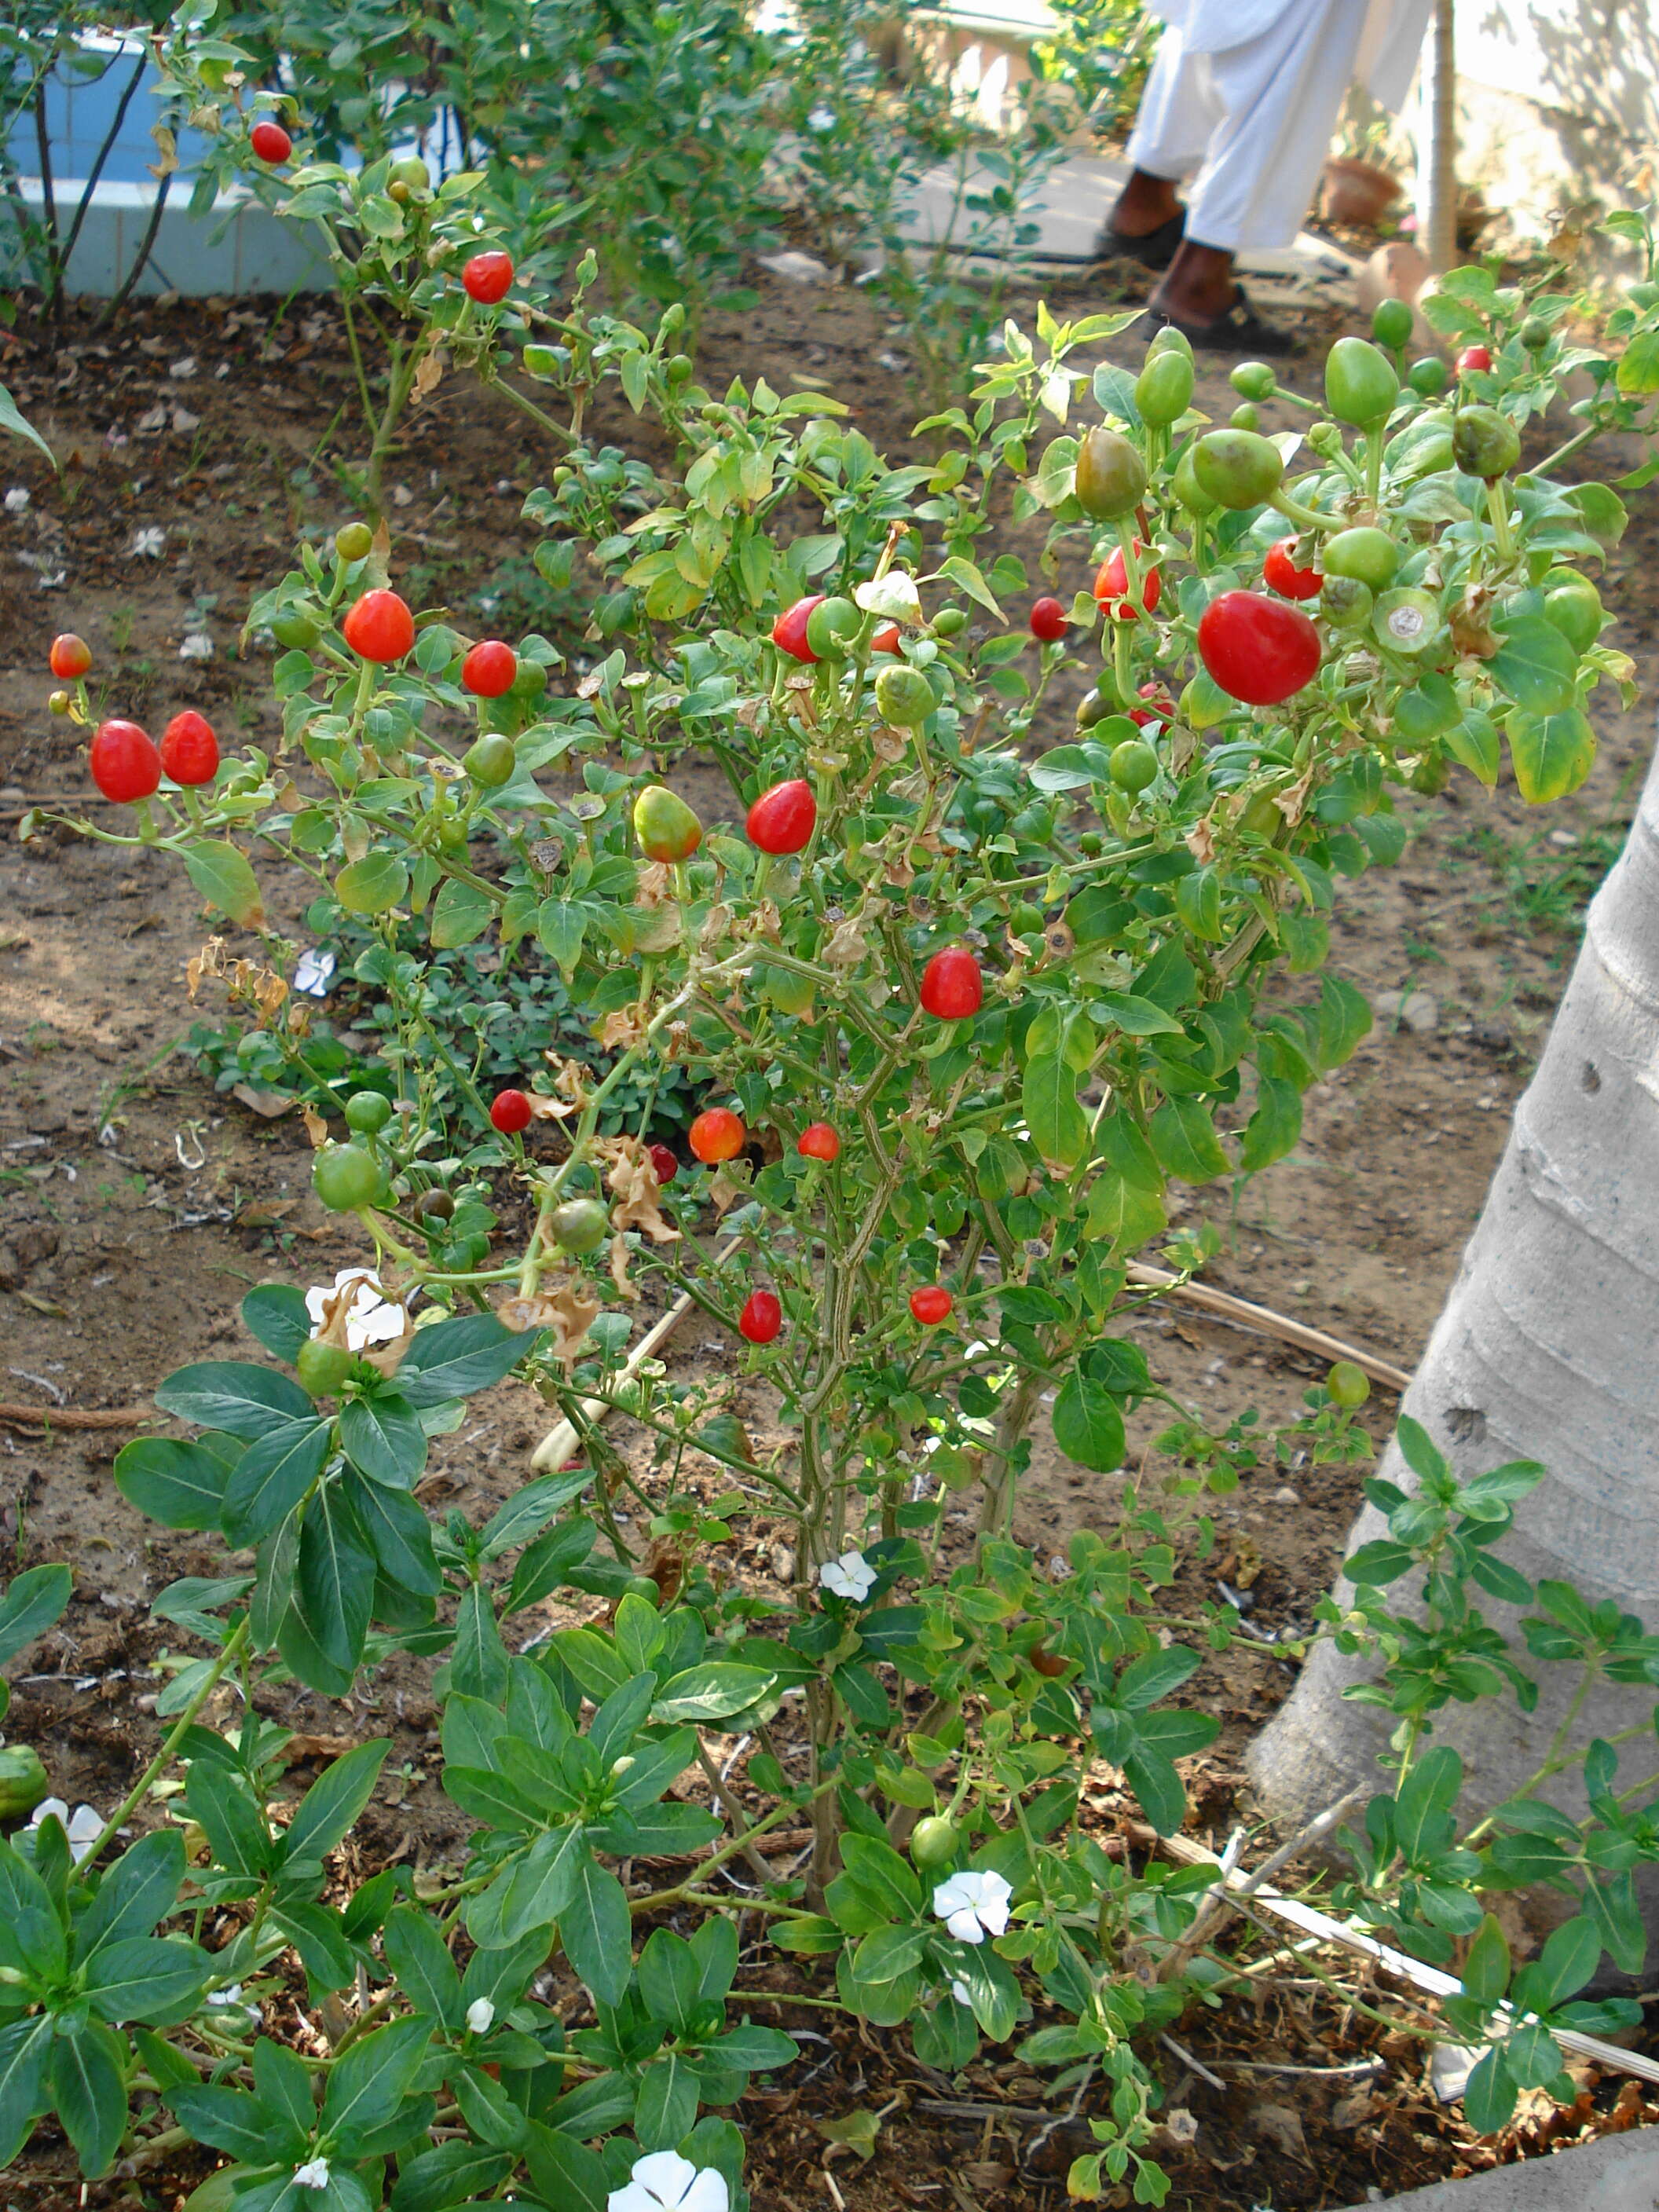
[136, 1205]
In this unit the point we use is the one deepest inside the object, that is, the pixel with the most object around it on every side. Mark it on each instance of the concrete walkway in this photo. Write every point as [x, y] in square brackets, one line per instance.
[1615, 2173]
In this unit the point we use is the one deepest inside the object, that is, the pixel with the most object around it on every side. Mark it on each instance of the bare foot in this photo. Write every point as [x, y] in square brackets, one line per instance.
[1198, 284]
[1146, 204]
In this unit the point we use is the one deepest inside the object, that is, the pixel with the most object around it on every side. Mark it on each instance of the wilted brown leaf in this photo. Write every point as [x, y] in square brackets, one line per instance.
[428, 376]
[316, 1127]
[1201, 843]
[269, 1105]
[635, 1190]
[621, 1027]
[566, 1311]
[619, 1274]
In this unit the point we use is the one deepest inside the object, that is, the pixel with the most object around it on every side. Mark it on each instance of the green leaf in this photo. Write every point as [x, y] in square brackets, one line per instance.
[993, 1992]
[667, 2102]
[399, 1535]
[532, 1893]
[530, 1510]
[90, 2093]
[1423, 1805]
[560, 929]
[459, 913]
[25, 2047]
[229, 2120]
[139, 1889]
[1552, 754]
[31, 1933]
[967, 578]
[155, 1978]
[455, 2172]
[383, 1439]
[1486, 1968]
[596, 1930]
[1272, 1130]
[1489, 2095]
[373, 885]
[1184, 1137]
[670, 1981]
[1088, 1425]
[478, 1668]
[226, 881]
[34, 1599]
[711, 1691]
[1157, 1784]
[180, 1484]
[273, 1474]
[1638, 372]
[11, 419]
[1059, 1128]
[455, 1358]
[1473, 743]
[1156, 1674]
[419, 1957]
[332, 1805]
[1532, 2056]
[1138, 1017]
[236, 1395]
[336, 1584]
[275, 1313]
[565, 2172]
[371, 2078]
[1536, 666]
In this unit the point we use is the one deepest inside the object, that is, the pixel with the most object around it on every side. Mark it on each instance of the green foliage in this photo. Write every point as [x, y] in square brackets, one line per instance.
[1008, 1146]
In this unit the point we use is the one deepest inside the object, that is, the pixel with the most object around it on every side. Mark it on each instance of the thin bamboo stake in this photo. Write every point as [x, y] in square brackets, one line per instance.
[1438, 169]
[1244, 1314]
[1429, 1979]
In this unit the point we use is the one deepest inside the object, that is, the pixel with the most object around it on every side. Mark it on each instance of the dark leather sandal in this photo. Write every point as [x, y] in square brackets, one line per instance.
[1238, 329]
[1156, 249]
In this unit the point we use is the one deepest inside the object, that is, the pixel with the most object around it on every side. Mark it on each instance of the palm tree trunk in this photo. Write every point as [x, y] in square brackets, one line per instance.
[1548, 1350]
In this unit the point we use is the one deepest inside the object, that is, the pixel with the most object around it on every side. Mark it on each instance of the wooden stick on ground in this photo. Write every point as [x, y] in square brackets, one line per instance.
[1243, 1313]
[1429, 1979]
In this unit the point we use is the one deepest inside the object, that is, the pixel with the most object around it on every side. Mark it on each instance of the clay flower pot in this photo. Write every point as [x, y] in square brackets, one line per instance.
[1356, 192]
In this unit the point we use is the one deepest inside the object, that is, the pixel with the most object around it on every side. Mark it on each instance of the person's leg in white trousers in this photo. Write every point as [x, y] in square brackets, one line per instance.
[1251, 127]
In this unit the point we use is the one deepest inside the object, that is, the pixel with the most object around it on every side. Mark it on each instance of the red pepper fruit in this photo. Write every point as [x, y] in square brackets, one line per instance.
[125, 762]
[1159, 711]
[789, 631]
[818, 1141]
[931, 1304]
[717, 1133]
[1112, 586]
[490, 669]
[270, 142]
[189, 751]
[664, 1166]
[886, 639]
[510, 1111]
[1048, 621]
[952, 985]
[380, 627]
[782, 820]
[1280, 573]
[71, 657]
[487, 278]
[1472, 358]
[1257, 649]
[761, 1317]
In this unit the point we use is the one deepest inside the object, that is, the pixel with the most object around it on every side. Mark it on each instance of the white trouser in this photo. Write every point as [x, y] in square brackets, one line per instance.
[1252, 126]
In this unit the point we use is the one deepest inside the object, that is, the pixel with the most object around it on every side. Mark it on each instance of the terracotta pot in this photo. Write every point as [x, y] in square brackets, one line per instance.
[1356, 192]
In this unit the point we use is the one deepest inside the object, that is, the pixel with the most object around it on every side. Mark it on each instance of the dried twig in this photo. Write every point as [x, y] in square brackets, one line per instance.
[1195, 2065]
[1243, 1313]
[1224, 1899]
[72, 1417]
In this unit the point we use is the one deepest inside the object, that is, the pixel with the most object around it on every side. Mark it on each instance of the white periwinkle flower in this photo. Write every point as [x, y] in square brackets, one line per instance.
[229, 1996]
[147, 544]
[198, 646]
[480, 2016]
[972, 1905]
[665, 2182]
[850, 1576]
[313, 2174]
[371, 1318]
[17, 501]
[82, 1826]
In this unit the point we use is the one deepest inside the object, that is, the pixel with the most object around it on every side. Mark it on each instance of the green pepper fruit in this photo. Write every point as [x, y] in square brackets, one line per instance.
[323, 1369]
[354, 541]
[581, 1224]
[1392, 324]
[1346, 602]
[1237, 468]
[1247, 416]
[530, 680]
[1025, 921]
[665, 826]
[1254, 379]
[1429, 377]
[1134, 765]
[1168, 339]
[904, 698]
[934, 1841]
[295, 627]
[1164, 390]
[490, 761]
[345, 1177]
[1534, 333]
[23, 1781]
[950, 622]
[1348, 1385]
[1187, 490]
[1406, 622]
[1111, 476]
[1323, 439]
[1575, 609]
[368, 1112]
[411, 170]
[1369, 555]
[1432, 775]
[831, 628]
[1360, 386]
[1485, 443]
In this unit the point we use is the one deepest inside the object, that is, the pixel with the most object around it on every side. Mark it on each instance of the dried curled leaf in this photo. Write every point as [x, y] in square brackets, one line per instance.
[566, 1311]
[635, 1190]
